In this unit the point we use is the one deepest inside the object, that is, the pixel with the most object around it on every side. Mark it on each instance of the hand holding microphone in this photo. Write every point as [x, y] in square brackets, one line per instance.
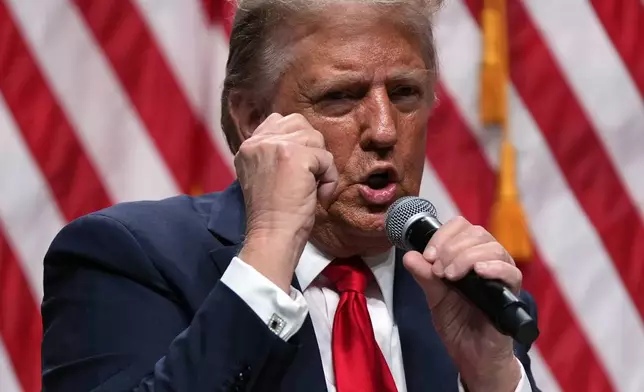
[471, 284]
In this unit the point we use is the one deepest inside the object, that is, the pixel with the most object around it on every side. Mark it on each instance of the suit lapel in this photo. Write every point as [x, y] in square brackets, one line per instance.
[227, 222]
[428, 367]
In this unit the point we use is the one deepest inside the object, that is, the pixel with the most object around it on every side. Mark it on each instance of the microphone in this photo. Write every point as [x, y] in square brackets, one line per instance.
[411, 222]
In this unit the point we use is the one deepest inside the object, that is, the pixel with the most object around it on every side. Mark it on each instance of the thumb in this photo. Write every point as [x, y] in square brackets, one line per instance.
[421, 269]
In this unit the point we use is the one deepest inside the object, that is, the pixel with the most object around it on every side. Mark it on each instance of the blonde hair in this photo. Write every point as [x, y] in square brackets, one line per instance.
[258, 50]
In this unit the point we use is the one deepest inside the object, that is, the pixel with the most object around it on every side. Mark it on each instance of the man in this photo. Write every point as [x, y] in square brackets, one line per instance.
[286, 281]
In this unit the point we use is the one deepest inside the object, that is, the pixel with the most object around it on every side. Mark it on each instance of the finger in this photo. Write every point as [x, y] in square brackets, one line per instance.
[303, 137]
[267, 124]
[469, 238]
[465, 261]
[322, 165]
[308, 137]
[421, 270]
[501, 270]
[442, 236]
[292, 123]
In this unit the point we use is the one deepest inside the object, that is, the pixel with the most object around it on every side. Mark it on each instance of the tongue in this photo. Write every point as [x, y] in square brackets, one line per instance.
[378, 181]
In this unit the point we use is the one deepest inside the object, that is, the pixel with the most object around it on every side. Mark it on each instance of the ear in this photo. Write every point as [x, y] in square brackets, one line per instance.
[245, 113]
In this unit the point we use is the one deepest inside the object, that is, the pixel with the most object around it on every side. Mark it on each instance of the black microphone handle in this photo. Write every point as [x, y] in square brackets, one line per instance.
[506, 311]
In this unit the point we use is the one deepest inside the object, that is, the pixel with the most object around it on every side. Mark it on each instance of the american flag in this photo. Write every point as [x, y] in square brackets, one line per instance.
[109, 101]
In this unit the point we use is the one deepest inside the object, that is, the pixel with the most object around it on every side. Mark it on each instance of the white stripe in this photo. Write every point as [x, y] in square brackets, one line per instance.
[97, 107]
[195, 53]
[432, 189]
[8, 380]
[541, 371]
[29, 215]
[601, 81]
[571, 242]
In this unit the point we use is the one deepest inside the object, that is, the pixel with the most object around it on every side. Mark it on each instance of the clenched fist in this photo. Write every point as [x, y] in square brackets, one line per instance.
[284, 170]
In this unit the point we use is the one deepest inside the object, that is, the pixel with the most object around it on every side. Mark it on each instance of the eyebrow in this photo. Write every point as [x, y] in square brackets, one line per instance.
[411, 74]
[349, 78]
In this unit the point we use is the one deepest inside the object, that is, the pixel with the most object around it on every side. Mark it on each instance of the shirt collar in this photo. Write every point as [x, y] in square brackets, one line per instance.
[313, 262]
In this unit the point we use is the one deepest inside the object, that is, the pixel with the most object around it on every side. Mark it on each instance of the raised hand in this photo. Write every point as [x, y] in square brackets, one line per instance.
[284, 170]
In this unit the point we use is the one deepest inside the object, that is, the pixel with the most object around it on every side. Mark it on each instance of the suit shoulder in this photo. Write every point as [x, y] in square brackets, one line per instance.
[136, 235]
[158, 214]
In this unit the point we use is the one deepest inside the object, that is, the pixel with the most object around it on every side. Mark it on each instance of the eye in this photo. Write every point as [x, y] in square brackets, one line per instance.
[335, 103]
[405, 91]
[337, 96]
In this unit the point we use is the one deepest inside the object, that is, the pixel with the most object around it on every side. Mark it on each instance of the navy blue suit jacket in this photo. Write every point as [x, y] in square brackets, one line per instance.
[133, 302]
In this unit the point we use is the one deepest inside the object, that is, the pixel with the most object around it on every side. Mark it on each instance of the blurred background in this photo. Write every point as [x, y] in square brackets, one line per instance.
[108, 101]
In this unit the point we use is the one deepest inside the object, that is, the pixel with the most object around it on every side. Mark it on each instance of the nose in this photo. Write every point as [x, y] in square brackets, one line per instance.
[380, 132]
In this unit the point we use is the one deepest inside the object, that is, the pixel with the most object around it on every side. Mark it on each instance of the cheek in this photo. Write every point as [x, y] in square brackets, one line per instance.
[413, 156]
[341, 138]
[341, 150]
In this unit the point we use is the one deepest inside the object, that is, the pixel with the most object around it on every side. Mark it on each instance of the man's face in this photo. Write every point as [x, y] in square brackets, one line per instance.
[363, 83]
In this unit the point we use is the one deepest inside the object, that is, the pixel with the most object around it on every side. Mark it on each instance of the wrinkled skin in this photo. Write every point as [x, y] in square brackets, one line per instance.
[357, 95]
[370, 93]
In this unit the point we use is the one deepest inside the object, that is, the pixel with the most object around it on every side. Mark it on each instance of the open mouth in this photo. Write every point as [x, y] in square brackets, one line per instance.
[380, 187]
[379, 180]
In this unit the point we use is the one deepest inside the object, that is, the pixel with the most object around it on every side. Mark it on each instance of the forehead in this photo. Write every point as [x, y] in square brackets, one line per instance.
[358, 42]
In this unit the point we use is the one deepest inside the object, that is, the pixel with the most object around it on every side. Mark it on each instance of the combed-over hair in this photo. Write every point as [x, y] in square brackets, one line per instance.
[258, 49]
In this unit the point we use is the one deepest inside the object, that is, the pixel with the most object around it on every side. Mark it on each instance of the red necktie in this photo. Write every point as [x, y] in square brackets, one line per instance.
[358, 362]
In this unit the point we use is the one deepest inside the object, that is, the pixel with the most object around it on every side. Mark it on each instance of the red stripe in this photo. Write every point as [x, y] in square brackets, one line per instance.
[20, 323]
[70, 174]
[220, 12]
[466, 175]
[623, 21]
[180, 136]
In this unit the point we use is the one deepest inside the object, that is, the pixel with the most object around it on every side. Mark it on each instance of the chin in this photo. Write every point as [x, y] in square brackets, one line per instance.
[356, 216]
[352, 229]
[366, 221]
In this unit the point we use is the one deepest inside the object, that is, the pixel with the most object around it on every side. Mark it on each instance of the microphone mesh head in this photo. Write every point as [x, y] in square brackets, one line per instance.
[399, 213]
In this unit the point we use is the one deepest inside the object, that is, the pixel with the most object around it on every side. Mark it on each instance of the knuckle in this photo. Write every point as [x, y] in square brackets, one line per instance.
[296, 117]
[478, 231]
[327, 155]
[459, 221]
[449, 250]
[318, 137]
[498, 251]
[283, 150]
[245, 149]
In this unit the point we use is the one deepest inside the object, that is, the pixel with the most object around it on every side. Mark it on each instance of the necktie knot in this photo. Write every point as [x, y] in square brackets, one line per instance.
[349, 274]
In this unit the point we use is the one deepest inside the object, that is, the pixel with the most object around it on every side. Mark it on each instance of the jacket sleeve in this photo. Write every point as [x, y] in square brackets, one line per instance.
[112, 323]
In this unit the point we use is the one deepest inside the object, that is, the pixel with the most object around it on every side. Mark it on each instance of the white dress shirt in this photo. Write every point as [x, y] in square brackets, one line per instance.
[285, 314]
